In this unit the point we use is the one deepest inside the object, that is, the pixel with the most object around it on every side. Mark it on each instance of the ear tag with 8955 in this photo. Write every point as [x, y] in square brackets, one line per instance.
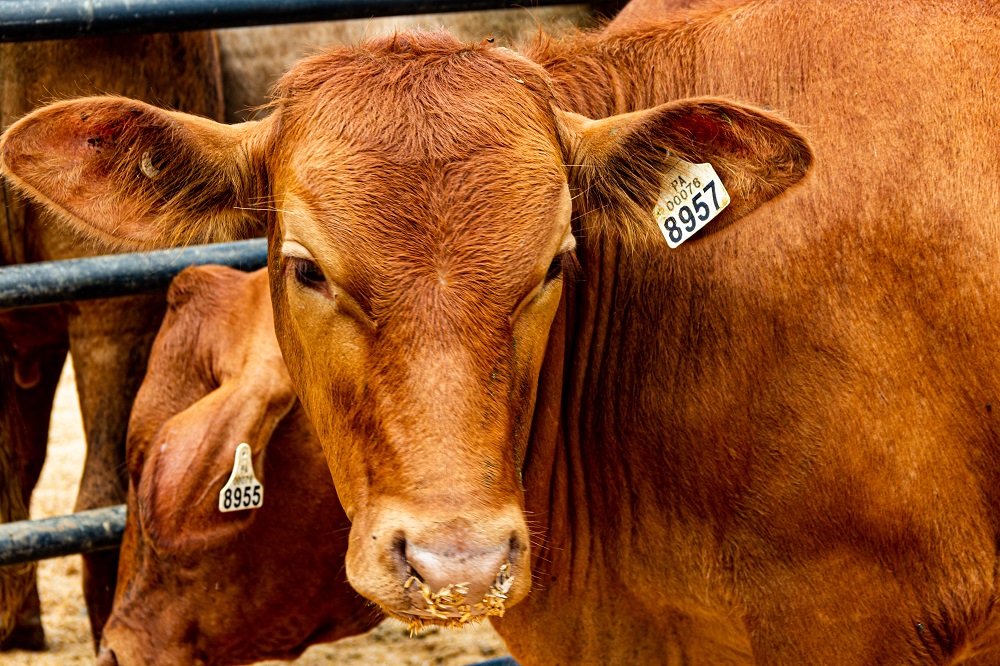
[243, 490]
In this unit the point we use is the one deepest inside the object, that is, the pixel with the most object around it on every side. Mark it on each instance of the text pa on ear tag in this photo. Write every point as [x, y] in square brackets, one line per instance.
[243, 490]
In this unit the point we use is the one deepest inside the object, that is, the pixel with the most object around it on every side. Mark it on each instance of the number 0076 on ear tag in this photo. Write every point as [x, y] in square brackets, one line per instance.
[691, 196]
[243, 490]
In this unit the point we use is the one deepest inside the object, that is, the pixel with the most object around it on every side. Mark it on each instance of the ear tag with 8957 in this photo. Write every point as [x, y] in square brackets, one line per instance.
[243, 490]
[691, 196]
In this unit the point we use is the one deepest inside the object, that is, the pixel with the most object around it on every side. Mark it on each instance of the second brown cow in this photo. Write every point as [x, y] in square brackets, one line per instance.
[197, 585]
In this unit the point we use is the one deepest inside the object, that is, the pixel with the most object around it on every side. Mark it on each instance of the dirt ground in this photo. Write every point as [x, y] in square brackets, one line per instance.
[65, 617]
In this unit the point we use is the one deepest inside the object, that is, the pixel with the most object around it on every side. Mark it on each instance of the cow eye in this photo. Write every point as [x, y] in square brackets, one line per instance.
[555, 268]
[308, 273]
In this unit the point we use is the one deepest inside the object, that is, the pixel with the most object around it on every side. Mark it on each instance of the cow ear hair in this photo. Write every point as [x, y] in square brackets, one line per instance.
[178, 493]
[204, 394]
[134, 175]
[617, 165]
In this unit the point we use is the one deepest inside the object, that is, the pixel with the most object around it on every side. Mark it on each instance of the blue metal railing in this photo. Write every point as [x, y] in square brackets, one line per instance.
[48, 282]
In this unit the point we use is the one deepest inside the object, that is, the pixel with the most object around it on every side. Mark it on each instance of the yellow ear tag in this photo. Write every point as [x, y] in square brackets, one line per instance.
[243, 490]
[691, 196]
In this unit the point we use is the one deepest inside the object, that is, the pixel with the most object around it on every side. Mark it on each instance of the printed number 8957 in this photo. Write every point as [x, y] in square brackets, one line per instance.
[690, 218]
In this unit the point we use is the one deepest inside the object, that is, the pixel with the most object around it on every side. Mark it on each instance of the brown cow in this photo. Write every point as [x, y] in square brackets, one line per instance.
[15, 580]
[773, 444]
[196, 585]
[109, 339]
[112, 337]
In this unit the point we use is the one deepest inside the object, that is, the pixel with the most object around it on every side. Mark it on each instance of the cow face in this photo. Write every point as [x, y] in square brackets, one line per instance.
[429, 280]
[421, 199]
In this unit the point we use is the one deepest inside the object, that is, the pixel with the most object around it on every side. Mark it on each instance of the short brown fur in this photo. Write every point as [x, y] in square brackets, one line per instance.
[197, 585]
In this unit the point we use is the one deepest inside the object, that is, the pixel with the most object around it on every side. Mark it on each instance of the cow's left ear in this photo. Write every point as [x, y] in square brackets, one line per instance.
[617, 166]
[193, 456]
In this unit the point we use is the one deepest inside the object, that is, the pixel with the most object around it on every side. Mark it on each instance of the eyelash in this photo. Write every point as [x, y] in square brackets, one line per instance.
[555, 268]
[308, 273]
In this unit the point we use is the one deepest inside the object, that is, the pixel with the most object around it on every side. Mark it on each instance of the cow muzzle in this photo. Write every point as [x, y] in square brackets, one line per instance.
[440, 569]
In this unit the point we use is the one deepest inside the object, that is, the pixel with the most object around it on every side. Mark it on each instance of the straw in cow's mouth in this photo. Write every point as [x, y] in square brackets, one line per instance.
[447, 606]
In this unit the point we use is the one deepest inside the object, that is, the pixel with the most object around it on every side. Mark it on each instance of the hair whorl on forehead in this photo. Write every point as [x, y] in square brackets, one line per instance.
[414, 97]
[405, 54]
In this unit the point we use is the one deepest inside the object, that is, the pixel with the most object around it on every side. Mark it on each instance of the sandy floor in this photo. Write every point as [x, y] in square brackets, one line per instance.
[65, 616]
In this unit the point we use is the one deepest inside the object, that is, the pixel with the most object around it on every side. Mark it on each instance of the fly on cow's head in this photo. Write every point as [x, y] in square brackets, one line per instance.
[420, 198]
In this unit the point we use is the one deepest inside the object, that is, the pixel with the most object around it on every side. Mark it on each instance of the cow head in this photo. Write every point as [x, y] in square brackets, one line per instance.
[196, 585]
[422, 199]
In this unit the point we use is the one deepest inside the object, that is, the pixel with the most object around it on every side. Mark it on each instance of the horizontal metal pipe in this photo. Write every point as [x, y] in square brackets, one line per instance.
[119, 274]
[32, 20]
[83, 532]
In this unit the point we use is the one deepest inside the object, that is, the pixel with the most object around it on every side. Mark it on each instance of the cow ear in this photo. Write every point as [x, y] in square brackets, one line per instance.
[619, 166]
[216, 379]
[192, 458]
[135, 175]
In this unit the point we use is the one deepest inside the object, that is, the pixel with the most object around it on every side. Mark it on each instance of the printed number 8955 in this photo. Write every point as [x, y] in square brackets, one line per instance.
[241, 497]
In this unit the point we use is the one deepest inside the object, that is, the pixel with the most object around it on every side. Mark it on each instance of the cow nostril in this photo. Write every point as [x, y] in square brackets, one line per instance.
[515, 546]
[412, 573]
[398, 549]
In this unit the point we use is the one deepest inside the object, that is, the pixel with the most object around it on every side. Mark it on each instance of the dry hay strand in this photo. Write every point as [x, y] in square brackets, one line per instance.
[447, 606]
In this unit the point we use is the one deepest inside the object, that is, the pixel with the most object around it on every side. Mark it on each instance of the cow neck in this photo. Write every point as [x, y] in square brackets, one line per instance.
[580, 475]
[566, 463]
[628, 66]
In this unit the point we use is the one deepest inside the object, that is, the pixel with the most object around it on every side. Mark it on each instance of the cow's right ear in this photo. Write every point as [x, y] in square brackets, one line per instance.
[619, 167]
[135, 175]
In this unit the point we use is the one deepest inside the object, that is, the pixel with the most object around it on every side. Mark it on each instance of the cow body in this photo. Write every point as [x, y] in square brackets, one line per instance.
[774, 444]
[197, 585]
[16, 581]
[777, 445]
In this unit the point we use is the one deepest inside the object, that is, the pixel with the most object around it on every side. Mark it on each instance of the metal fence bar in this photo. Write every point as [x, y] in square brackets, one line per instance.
[32, 20]
[83, 532]
[118, 275]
